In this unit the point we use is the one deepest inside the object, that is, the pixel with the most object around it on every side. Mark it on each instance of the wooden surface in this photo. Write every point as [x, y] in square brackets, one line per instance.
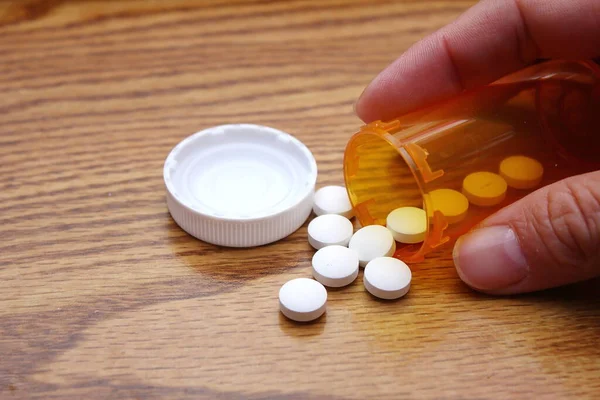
[102, 296]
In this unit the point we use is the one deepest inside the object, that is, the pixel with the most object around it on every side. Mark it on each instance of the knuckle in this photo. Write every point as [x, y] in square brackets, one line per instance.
[568, 225]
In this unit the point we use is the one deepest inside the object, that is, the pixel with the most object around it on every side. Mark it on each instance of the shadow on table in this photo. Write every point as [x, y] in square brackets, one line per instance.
[239, 264]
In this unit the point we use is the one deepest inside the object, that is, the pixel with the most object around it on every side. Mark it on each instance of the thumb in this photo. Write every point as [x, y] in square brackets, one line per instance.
[549, 238]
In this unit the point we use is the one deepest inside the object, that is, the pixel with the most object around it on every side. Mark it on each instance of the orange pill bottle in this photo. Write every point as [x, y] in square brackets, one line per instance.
[545, 118]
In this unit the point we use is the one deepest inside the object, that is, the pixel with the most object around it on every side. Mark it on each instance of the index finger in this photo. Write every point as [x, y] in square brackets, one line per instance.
[490, 40]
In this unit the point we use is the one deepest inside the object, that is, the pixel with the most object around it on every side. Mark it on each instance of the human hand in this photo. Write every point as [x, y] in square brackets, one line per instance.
[551, 237]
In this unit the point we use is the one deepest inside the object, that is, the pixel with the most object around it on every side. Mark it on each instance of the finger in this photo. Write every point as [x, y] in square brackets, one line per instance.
[547, 239]
[490, 40]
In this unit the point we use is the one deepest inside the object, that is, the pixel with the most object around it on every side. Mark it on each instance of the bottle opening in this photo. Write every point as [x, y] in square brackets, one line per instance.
[379, 179]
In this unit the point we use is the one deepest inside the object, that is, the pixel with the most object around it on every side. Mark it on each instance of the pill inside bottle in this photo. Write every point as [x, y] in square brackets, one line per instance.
[521, 172]
[453, 204]
[484, 189]
[408, 224]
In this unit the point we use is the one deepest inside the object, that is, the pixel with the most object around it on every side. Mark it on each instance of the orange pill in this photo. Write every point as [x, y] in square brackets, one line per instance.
[484, 189]
[453, 204]
[521, 172]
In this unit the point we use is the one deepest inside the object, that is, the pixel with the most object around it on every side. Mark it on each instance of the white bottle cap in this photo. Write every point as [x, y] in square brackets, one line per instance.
[240, 185]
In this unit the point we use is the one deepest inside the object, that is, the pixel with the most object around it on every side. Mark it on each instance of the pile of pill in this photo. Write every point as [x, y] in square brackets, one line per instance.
[341, 252]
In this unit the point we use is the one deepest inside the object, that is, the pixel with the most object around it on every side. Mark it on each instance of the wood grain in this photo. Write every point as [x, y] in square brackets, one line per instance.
[102, 296]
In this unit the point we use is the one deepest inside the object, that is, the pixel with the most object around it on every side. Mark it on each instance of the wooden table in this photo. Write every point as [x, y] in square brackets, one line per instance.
[103, 296]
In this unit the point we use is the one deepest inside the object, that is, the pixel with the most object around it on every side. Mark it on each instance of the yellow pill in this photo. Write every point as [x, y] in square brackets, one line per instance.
[453, 204]
[408, 224]
[484, 188]
[521, 172]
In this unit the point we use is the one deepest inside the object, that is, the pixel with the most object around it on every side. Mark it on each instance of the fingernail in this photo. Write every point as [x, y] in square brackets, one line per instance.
[358, 101]
[490, 258]
[354, 106]
[362, 95]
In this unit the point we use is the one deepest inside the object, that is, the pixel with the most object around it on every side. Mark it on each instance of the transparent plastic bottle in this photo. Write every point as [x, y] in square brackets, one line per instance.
[549, 112]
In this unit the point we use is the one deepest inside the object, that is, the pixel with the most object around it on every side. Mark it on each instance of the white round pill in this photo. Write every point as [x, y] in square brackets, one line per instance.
[332, 200]
[408, 224]
[387, 278]
[302, 299]
[335, 266]
[371, 242]
[329, 230]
